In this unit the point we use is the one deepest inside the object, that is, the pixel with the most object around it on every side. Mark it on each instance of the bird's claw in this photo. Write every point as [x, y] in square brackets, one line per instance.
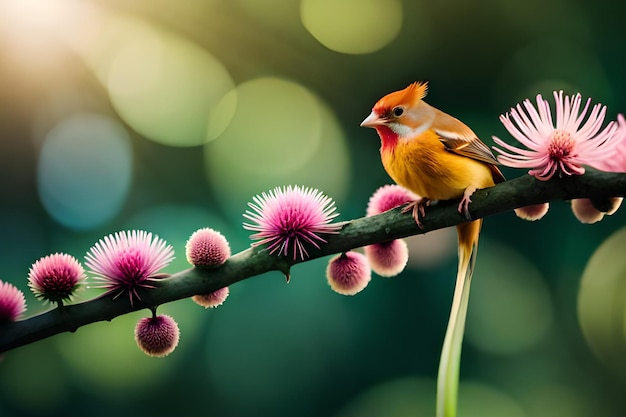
[465, 202]
[418, 210]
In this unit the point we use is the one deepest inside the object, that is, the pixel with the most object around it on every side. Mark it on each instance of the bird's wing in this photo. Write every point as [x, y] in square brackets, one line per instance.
[471, 147]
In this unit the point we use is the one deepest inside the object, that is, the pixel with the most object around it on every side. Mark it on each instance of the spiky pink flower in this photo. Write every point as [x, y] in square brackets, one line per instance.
[560, 148]
[56, 277]
[290, 218]
[157, 335]
[12, 302]
[617, 161]
[387, 259]
[388, 197]
[207, 248]
[213, 299]
[348, 273]
[126, 261]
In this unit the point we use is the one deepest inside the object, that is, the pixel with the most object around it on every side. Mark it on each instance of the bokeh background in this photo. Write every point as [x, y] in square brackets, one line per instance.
[170, 115]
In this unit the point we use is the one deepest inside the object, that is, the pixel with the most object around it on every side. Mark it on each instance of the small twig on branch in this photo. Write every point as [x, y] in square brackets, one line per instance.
[506, 196]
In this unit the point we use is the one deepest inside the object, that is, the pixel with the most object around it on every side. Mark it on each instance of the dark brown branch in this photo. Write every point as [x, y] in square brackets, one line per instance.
[504, 197]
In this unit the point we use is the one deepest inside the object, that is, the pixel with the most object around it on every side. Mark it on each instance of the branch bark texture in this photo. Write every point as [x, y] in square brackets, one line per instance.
[504, 197]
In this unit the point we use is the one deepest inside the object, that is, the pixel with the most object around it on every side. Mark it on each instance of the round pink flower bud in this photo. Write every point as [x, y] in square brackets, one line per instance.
[388, 259]
[157, 336]
[12, 302]
[387, 197]
[207, 248]
[55, 277]
[214, 299]
[348, 273]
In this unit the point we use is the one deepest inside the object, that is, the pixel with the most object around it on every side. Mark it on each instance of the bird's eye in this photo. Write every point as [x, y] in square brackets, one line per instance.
[397, 111]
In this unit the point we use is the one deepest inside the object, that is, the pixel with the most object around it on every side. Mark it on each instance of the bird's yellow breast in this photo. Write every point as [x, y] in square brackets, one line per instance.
[424, 166]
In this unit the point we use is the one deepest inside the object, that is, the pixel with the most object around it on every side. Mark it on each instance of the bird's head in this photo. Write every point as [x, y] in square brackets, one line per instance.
[400, 113]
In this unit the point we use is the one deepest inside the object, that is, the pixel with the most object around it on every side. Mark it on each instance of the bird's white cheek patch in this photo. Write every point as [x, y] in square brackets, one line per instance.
[407, 132]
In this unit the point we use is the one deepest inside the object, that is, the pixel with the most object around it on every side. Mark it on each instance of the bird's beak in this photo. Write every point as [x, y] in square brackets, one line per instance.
[372, 120]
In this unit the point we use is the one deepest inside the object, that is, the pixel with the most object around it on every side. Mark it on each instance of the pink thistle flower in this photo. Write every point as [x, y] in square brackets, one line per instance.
[348, 273]
[157, 335]
[388, 259]
[289, 218]
[214, 299]
[56, 277]
[12, 302]
[387, 197]
[562, 148]
[125, 261]
[617, 160]
[207, 248]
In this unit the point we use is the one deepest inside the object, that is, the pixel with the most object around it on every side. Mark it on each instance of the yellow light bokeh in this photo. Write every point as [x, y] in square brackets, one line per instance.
[275, 129]
[280, 134]
[352, 26]
[33, 15]
[35, 31]
[165, 86]
[602, 302]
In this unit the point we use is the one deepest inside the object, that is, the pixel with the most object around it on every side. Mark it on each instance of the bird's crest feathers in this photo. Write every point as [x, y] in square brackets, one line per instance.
[418, 89]
[408, 97]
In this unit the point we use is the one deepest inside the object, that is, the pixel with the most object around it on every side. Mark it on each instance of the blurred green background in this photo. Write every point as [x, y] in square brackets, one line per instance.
[169, 116]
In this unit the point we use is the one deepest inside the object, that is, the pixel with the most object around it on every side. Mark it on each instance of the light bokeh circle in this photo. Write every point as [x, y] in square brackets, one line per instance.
[280, 133]
[276, 126]
[352, 26]
[602, 302]
[163, 85]
[84, 170]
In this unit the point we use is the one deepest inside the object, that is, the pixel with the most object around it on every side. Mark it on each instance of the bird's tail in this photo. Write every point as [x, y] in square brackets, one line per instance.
[448, 377]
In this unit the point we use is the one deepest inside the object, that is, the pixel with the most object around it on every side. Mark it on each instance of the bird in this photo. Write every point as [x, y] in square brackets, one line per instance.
[437, 157]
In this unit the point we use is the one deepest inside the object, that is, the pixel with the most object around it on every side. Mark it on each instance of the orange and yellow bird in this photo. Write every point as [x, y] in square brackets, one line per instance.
[437, 157]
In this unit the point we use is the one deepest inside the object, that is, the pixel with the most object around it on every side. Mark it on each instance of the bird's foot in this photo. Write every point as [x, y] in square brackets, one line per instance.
[465, 202]
[418, 209]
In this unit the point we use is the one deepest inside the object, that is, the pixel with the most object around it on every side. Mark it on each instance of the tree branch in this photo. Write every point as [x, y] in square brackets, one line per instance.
[393, 224]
